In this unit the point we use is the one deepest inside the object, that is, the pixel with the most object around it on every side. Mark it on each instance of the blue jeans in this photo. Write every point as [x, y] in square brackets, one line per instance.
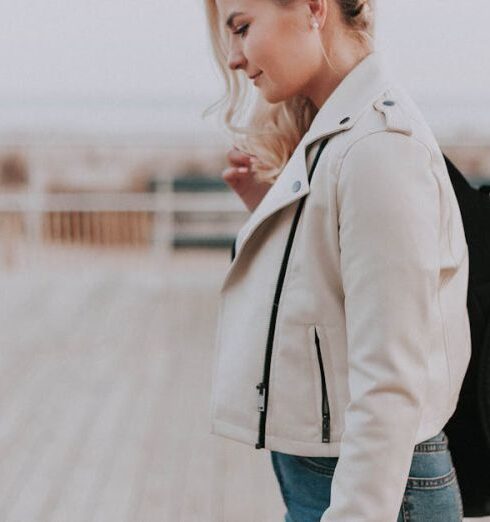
[431, 495]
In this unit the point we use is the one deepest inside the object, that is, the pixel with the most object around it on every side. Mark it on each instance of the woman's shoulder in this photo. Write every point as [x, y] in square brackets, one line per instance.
[390, 129]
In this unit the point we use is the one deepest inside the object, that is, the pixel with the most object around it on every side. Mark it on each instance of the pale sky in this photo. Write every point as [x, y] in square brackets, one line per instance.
[157, 51]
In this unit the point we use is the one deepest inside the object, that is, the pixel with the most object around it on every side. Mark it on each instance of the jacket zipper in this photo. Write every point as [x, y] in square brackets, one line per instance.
[325, 407]
[263, 387]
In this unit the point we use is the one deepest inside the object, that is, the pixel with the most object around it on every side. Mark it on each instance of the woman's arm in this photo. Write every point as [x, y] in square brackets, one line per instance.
[388, 201]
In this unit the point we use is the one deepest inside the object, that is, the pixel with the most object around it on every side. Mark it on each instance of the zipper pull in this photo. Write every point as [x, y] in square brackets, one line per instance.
[326, 428]
[261, 397]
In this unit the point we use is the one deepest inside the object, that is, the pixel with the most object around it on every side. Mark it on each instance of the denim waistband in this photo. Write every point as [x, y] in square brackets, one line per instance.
[438, 442]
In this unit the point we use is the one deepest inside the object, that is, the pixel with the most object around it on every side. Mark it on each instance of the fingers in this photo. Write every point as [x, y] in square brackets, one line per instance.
[237, 158]
[233, 175]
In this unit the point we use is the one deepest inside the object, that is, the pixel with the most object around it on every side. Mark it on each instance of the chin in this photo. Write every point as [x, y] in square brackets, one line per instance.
[279, 96]
[272, 99]
[275, 97]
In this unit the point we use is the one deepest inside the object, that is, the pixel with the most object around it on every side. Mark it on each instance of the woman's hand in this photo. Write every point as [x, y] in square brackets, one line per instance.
[239, 176]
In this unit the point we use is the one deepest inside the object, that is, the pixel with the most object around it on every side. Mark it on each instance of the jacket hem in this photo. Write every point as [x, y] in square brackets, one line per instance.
[274, 443]
[309, 449]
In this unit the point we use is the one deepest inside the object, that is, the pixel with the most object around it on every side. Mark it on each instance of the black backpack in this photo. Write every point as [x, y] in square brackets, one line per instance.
[468, 430]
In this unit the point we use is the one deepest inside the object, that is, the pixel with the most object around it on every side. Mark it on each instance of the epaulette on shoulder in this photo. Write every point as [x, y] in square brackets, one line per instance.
[396, 120]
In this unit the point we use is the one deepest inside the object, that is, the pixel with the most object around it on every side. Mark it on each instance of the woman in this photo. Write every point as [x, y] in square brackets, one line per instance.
[343, 335]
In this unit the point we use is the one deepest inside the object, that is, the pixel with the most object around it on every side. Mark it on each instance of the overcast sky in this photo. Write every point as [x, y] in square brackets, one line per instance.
[143, 50]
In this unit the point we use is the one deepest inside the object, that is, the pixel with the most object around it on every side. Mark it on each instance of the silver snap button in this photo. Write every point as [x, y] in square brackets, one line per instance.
[296, 186]
[388, 102]
[345, 120]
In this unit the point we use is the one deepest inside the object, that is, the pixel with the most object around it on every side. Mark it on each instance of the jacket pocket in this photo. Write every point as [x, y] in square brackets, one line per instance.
[325, 404]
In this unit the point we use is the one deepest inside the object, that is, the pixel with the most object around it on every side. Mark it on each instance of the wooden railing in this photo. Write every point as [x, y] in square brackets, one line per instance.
[116, 219]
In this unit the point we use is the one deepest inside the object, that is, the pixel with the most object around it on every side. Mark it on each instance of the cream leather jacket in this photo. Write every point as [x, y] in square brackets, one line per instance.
[364, 354]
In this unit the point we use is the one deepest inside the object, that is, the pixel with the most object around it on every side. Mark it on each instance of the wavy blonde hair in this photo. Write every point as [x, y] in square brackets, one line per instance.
[274, 130]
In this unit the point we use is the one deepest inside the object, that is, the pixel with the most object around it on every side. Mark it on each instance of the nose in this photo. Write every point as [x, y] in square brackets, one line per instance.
[236, 60]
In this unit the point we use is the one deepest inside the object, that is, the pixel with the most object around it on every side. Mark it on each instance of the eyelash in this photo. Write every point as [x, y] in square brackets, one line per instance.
[243, 30]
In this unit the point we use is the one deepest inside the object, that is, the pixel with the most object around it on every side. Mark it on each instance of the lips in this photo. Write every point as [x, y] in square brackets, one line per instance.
[255, 76]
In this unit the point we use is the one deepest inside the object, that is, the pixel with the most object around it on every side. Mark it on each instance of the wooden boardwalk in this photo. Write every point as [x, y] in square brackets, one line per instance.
[105, 376]
[104, 403]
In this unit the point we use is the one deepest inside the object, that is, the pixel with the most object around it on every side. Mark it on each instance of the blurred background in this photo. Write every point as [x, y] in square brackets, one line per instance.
[115, 233]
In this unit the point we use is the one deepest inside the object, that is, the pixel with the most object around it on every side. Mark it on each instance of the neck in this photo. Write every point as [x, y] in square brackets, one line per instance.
[344, 58]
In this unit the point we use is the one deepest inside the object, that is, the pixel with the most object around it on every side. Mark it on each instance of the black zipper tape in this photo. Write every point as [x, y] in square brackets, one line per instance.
[325, 407]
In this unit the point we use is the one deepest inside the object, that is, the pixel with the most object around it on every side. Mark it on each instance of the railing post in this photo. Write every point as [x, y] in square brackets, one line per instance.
[163, 221]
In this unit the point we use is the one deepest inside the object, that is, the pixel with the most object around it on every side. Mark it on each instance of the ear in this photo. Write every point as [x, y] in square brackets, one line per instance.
[318, 9]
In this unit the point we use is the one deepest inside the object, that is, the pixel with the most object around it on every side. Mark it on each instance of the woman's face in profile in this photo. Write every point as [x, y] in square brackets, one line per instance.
[272, 40]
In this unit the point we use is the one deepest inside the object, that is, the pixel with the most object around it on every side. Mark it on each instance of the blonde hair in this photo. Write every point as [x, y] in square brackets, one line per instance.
[274, 130]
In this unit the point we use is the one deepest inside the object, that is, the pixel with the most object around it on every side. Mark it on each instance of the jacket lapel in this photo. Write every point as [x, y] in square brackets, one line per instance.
[291, 185]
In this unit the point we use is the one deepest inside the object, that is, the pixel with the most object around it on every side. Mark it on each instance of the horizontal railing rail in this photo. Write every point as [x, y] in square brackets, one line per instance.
[120, 201]
[158, 220]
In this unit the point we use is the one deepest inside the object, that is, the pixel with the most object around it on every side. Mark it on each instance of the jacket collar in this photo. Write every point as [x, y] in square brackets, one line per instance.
[358, 88]
[361, 86]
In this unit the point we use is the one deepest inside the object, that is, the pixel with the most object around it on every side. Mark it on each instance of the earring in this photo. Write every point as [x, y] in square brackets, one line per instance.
[315, 24]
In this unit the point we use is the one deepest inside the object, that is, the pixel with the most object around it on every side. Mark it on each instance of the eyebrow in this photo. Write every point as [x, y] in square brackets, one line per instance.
[229, 21]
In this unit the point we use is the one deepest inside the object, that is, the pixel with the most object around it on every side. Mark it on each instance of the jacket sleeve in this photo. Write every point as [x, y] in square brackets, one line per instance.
[388, 211]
